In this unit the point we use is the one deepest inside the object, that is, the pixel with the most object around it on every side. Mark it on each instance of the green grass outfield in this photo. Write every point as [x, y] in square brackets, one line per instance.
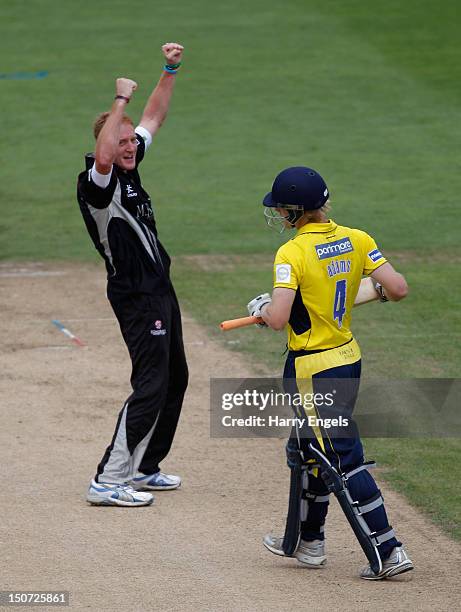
[367, 93]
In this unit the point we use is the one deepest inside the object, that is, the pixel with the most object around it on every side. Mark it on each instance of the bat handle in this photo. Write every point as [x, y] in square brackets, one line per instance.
[242, 322]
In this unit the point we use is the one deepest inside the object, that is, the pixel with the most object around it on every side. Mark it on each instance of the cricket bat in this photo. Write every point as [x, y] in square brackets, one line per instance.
[242, 322]
[366, 293]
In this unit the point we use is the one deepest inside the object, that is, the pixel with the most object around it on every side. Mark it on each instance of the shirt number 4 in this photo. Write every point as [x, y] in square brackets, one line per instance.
[339, 303]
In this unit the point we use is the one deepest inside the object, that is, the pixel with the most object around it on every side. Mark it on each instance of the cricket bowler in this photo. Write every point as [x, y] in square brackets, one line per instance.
[119, 217]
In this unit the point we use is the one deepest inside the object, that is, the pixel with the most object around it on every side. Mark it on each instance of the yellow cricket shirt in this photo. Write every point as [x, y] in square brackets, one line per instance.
[324, 263]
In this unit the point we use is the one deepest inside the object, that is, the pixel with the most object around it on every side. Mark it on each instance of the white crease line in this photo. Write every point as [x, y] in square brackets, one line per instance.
[24, 273]
[79, 320]
[48, 348]
[67, 320]
[112, 319]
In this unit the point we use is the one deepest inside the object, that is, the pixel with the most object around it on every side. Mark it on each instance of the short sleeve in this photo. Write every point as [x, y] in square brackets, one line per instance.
[92, 194]
[141, 150]
[145, 135]
[288, 266]
[373, 258]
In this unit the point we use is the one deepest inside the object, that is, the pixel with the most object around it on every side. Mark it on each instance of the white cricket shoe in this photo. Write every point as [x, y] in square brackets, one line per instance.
[311, 554]
[113, 494]
[155, 482]
[396, 564]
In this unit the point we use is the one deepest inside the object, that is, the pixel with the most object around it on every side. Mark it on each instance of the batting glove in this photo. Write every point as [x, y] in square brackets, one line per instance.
[380, 291]
[255, 306]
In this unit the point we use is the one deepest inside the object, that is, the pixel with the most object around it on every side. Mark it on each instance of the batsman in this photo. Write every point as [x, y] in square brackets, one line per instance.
[319, 275]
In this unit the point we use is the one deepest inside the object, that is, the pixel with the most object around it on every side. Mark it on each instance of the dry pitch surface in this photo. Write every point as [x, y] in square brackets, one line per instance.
[198, 548]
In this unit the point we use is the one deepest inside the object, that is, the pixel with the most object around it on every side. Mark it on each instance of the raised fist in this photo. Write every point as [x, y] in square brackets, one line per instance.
[172, 53]
[125, 87]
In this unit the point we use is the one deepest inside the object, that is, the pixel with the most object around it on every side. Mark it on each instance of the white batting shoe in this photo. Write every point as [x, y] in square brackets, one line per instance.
[311, 554]
[113, 494]
[155, 482]
[398, 563]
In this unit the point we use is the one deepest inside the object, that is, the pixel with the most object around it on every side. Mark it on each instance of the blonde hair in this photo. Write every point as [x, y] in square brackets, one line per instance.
[101, 120]
[315, 215]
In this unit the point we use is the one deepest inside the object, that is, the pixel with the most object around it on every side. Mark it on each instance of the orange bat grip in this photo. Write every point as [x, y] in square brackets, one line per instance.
[236, 323]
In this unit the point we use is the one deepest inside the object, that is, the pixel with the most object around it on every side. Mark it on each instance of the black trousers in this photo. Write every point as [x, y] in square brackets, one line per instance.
[151, 328]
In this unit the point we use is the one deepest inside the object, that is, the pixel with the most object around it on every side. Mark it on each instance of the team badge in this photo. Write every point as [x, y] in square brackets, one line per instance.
[159, 330]
[283, 273]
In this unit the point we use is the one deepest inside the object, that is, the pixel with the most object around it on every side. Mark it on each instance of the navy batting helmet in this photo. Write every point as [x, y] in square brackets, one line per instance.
[296, 190]
[298, 186]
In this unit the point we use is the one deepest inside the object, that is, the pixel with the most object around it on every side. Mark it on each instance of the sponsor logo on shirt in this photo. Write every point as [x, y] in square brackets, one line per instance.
[375, 255]
[333, 249]
[144, 211]
[283, 273]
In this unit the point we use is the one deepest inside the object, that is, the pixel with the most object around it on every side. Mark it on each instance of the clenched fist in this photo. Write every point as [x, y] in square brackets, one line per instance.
[125, 87]
[172, 53]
